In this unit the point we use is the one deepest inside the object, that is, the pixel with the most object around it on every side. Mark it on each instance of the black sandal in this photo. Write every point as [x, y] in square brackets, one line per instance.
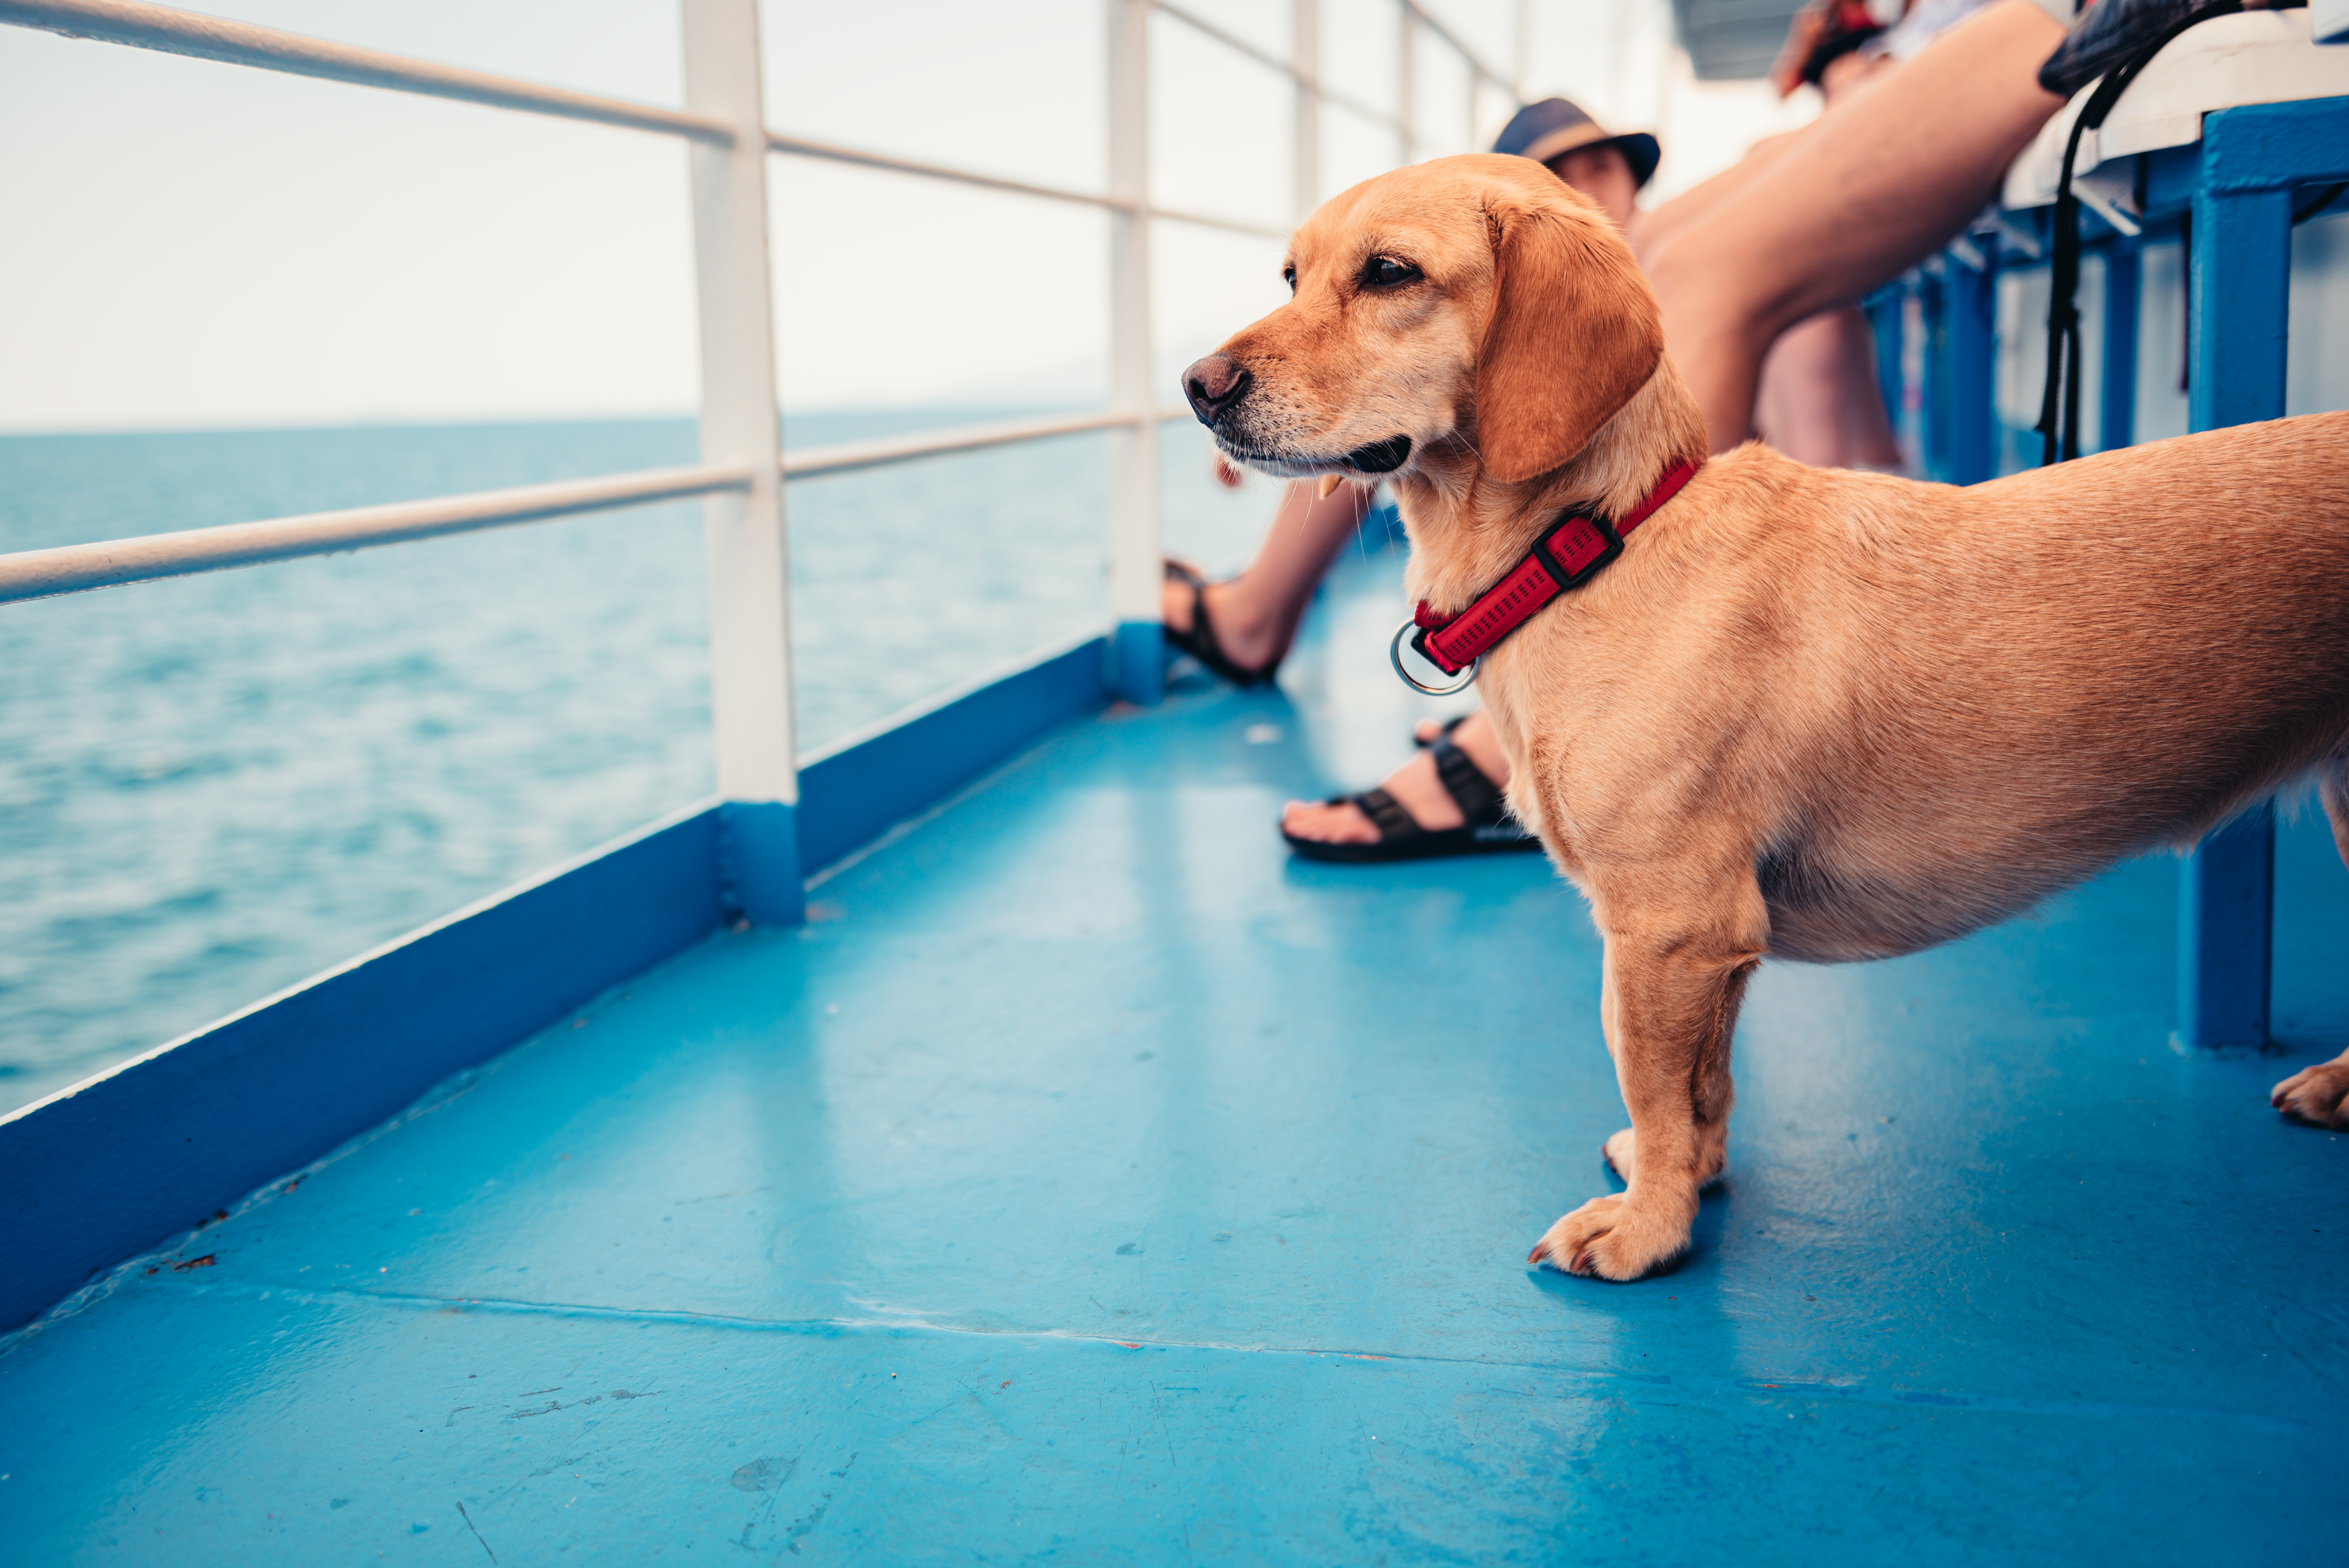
[1199, 640]
[1489, 829]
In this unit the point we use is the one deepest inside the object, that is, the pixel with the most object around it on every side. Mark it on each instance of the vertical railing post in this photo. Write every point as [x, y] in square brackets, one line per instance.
[2117, 408]
[1305, 60]
[1969, 297]
[1522, 46]
[2241, 311]
[1136, 572]
[748, 560]
[1884, 310]
[1406, 84]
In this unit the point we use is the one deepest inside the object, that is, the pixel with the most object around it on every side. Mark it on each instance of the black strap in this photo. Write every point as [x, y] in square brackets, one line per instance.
[1385, 812]
[1478, 798]
[2060, 437]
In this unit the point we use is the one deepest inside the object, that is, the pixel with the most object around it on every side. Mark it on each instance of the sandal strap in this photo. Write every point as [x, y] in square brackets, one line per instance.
[1385, 812]
[1455, 722]
[1478, 798]
[1200, 641]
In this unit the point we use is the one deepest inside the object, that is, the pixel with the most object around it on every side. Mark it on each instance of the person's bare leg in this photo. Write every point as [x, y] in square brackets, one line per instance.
[1415, 786]
[1819, 402]
[1870, 187]
[1255, 614]
[1845, 78]
[1656, 226]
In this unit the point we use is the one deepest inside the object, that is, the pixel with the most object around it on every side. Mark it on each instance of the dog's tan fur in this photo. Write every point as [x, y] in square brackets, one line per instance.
[1815, 713]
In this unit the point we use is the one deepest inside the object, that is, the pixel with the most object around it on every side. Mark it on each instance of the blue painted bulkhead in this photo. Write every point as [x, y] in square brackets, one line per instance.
[1088, 1179]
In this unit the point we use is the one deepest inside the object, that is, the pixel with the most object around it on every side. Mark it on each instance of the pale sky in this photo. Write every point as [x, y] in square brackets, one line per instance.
[201, 245]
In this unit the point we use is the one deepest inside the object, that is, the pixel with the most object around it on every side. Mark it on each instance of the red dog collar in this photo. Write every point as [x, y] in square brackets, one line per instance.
[1568, 554]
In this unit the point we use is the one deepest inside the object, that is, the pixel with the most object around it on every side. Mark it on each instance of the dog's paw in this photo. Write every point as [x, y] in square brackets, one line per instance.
[2318, 1096]
[1612, 1239]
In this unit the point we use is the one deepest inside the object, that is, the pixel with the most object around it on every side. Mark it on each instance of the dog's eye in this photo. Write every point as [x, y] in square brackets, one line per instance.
[1288, 276]
[1385, 272]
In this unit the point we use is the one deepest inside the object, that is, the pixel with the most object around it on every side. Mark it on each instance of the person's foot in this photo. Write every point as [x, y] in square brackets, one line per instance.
[1416, 786]
[1246, 638]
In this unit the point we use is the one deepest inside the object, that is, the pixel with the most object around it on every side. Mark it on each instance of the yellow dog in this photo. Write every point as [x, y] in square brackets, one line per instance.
[1809, 712]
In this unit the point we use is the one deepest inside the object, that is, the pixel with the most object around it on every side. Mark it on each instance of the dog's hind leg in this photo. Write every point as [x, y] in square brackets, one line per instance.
[1669, 1011]
[2320, 1095]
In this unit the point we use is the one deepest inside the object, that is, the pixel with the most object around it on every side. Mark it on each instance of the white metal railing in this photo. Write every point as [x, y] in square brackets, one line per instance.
[742, 468]
[175, 32]
[800, 147]
[846, 457]
[1302, 67]
[187, 552]
[76, 568]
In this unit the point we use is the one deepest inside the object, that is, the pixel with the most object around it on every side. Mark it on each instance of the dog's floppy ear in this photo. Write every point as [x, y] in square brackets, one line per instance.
[1574, 333]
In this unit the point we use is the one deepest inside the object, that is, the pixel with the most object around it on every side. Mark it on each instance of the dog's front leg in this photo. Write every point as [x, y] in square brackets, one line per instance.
[1672, 987]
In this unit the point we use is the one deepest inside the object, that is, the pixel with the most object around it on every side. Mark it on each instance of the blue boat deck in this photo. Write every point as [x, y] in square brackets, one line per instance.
[1090, 1181]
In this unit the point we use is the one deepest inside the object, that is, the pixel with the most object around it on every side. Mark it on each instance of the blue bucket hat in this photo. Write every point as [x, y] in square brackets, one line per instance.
[1543, 131]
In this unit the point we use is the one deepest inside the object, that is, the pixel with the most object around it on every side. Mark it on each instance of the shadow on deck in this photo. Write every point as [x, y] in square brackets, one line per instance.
[1091, 1181]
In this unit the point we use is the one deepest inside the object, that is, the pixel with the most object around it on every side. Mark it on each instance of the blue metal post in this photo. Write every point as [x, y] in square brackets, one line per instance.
[1969, 304]
[2240, 297]
[2117, 411]
[1882, 309]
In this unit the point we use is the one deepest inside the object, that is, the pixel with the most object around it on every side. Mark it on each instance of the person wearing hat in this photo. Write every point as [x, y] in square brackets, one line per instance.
[1609, 169]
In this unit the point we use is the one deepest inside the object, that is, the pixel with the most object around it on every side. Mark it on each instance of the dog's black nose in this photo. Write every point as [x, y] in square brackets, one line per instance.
[1213, 384]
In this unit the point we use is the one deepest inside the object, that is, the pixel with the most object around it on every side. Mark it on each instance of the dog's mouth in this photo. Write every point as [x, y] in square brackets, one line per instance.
[1375, 457]
[1380, 457]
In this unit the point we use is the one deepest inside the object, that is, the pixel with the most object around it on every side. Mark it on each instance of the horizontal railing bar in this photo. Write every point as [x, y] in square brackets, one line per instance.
[205, 37]
[78, 568]
[1229, 226]
[800, 147]
[1271, 61]
[240, 42]
[73, 567]
[847, 457]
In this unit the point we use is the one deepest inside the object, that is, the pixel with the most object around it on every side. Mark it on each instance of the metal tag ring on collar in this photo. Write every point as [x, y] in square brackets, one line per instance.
[1395, 656]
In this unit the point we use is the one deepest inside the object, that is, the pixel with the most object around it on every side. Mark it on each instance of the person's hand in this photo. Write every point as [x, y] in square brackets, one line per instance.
[1804, 32]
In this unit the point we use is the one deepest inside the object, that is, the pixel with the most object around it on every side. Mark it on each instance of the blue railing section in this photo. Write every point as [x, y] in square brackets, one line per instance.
[2230, 198]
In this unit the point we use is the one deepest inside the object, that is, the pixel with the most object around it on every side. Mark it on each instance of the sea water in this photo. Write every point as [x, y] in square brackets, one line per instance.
[213, 787]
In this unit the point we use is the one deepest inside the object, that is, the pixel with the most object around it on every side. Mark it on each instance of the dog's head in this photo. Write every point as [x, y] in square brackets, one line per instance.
[1466, 305]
